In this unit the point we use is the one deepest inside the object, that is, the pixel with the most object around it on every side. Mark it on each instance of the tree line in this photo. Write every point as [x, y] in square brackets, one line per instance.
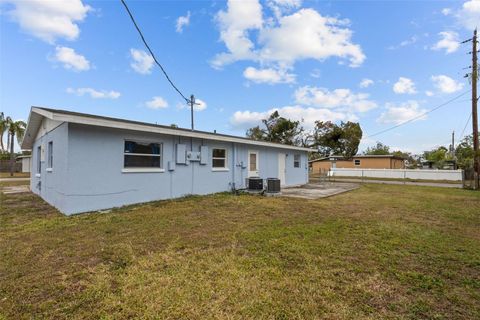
[13, 129]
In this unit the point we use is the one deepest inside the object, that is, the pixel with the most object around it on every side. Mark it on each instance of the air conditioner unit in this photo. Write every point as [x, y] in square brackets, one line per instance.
[273, 185]
[255, 183]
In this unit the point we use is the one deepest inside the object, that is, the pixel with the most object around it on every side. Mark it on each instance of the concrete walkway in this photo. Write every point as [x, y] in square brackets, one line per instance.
[407, 183]
[14, 179]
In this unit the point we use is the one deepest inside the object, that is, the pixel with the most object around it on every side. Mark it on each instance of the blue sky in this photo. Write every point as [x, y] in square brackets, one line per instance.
[376, 62]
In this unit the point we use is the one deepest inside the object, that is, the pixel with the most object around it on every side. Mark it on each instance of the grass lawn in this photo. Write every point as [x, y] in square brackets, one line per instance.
[381, 251]
[15, 175]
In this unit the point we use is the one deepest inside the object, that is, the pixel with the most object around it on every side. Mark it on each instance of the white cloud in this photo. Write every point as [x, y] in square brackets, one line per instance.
[429, 93]
[341, 99]
[469, 14]
[316, 73]
[142, 61]
[446, 84]
[200, 105]
[305, 34]
[404, 43]
[449, 42]
[182, 22]
[49, 20]
[268, 75]
[400, 113]
[446, 11]
[103, 94]
[365, 83]
[247, 119]
[157, 103]
[70, 59]
[404, 85]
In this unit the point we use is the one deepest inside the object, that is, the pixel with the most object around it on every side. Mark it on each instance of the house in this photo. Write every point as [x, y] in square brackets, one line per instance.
[25, 160]
[358, 161]
[84, 162]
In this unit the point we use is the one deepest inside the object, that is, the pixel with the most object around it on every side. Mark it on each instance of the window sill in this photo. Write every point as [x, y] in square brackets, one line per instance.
[49, 169]
[220, 169]
[142, 170]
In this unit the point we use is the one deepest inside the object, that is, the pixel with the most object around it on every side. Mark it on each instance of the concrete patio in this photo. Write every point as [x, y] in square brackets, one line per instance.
[318, 190]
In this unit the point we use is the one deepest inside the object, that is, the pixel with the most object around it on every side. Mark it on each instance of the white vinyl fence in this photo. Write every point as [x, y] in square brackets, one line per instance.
[417, 174]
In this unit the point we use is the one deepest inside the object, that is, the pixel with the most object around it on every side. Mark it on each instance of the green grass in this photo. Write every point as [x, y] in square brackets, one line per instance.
[15, 175]
[379, 252]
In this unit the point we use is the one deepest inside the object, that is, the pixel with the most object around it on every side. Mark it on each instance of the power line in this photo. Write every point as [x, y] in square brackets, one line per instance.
[419, 116]
[464, 128]
[151, 52]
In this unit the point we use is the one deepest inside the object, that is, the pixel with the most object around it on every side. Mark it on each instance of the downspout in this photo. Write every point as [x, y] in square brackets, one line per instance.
[234, 165]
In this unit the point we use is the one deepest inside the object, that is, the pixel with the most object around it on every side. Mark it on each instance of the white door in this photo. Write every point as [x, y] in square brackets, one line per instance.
[253, 164]
[281, 168]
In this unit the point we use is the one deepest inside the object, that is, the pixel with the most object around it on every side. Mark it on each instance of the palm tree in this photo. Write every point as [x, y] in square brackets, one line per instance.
[15, 128]
[3, 128]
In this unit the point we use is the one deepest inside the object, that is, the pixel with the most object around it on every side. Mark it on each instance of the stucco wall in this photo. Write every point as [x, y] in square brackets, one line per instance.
[94, 179]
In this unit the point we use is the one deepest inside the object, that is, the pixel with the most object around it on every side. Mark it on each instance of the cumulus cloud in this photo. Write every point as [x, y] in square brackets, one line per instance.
[304, 34]
[157, 103]
[308, 115]
[397, 114]
[429, 93]
[404, 43]
[342, 99]
[404, 86]
[446, 84]
[446, 11]
[200, 105]
[142, 61]
[95, 94]
[469, 14]
[268, 75]
[49, 20]
[182, 22]
[365, 83]
[70, 59]
[448, 42]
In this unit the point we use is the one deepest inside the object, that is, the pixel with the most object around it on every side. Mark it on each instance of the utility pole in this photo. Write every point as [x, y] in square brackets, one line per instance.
[192, 102]
[476, 154]
[453, 144]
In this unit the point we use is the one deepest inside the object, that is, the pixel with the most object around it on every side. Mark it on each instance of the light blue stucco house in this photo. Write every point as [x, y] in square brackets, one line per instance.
[83, 162]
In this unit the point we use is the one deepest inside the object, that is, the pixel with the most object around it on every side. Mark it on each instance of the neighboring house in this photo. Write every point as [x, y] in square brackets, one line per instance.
[359, 162]
[84, 162]
[26, 162]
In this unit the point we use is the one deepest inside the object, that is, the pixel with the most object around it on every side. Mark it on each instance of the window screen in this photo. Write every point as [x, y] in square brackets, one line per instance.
[142, 155]
[296, 161]
[219, 158]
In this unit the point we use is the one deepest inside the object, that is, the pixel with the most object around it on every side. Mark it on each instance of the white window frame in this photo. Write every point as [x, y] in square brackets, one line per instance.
[39, 160]
[355, 162]
[143, 169]
[299, 161]
[225, 168]
[49, 167]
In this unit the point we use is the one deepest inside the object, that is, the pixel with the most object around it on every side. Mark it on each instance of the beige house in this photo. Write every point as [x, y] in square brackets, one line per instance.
[358, 162]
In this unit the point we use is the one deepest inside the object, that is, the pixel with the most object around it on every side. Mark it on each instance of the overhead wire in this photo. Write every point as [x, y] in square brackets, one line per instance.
[151, 52]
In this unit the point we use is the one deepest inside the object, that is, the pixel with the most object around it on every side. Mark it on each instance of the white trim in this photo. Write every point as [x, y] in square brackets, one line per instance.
[220, 158]
[49, 169]
[119, 124]
[220, 169]
[257, 164]
[38, 175]
[144, 170]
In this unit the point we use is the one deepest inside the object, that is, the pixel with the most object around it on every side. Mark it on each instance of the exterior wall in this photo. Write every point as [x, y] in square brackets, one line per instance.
[365, 163]
[95, 178]
[451, 175]
[51, 184]
[26, 164]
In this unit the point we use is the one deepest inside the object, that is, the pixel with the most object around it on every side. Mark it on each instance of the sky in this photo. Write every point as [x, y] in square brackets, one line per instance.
[380, 63]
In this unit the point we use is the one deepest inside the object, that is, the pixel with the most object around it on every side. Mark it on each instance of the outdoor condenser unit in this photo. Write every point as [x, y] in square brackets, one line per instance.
[273, 185]
[255, 183]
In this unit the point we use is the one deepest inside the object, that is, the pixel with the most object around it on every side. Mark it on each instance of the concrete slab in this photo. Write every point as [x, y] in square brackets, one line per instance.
[317, 190]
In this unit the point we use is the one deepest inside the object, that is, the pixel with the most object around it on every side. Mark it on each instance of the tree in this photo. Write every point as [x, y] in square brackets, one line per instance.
[15, 128]
[464, 153]
[342, 139]
[437, 156]
[277, 129]
[378, 149]
[3, 129]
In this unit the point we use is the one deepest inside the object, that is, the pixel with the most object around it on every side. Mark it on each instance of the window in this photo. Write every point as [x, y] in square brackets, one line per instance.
[357, 162]
[142, 155]
[39, 159]
[219, 158]
[296, 161]
[50, 155]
